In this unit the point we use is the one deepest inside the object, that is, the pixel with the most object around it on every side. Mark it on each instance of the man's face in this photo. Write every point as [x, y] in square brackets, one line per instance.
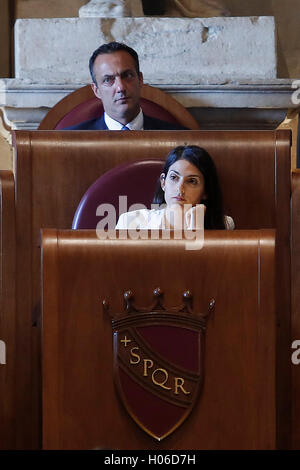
[118, 85]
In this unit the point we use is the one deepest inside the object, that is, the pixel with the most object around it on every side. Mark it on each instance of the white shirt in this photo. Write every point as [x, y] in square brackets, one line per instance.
[137, 124]
[155, 219]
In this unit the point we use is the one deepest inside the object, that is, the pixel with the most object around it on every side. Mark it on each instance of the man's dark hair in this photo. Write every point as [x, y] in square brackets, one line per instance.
[110, 48]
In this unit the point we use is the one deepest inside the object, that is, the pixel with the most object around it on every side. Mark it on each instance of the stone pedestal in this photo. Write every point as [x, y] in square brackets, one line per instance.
[235, 105]
[222, 69]
[171, 50]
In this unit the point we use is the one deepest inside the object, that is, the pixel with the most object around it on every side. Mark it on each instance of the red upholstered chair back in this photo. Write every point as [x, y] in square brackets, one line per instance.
[82, 105]
[89, 109]
[93, 108]
[135, 180]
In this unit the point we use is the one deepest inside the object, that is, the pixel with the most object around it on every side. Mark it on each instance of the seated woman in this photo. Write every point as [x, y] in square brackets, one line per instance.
[188, 195]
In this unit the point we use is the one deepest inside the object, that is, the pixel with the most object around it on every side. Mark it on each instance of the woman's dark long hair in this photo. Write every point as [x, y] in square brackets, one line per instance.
[197, 156]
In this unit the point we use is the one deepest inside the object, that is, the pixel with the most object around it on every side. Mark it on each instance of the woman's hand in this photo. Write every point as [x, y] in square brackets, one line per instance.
[185, 216]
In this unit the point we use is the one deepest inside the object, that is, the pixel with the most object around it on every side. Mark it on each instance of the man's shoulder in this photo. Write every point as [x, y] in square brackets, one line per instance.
[151, 123]
[96, 124]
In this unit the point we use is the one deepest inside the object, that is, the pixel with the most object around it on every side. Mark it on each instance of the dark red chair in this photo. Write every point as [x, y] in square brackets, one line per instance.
[135, 180]
[82, 105]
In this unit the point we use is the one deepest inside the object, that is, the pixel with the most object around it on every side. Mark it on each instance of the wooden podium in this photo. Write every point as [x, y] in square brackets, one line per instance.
[100, 388]
[53, 169]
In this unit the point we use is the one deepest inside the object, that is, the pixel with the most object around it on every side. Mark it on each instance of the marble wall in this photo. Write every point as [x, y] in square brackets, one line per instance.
[287, 16]
[172, 51]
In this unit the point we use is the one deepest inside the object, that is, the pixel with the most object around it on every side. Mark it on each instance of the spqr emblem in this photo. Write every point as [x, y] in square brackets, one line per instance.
[159, 362]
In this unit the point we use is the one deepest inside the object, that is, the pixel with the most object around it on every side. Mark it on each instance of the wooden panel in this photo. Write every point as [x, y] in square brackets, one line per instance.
[51, 327]
[283, 294]
[237, 409]
[54, 169]
[8, 310]
[75, 161]
[295, 326]
[26, 407]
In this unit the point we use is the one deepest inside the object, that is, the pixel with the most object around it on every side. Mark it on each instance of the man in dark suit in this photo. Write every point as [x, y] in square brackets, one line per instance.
[117, 81]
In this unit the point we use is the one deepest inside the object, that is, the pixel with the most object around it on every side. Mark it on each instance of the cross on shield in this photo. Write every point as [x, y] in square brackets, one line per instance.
[159, 364]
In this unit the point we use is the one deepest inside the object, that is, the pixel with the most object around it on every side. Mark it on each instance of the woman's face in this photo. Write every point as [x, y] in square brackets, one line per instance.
[183, 184]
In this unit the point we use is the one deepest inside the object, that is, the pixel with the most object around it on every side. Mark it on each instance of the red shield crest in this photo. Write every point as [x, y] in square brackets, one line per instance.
[159, 363]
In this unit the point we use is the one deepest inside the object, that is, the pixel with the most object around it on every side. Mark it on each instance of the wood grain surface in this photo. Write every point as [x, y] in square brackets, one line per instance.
[238, 405]
[53, 171]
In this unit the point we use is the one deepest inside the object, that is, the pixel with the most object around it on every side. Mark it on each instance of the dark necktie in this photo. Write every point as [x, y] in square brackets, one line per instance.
[125, 128]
